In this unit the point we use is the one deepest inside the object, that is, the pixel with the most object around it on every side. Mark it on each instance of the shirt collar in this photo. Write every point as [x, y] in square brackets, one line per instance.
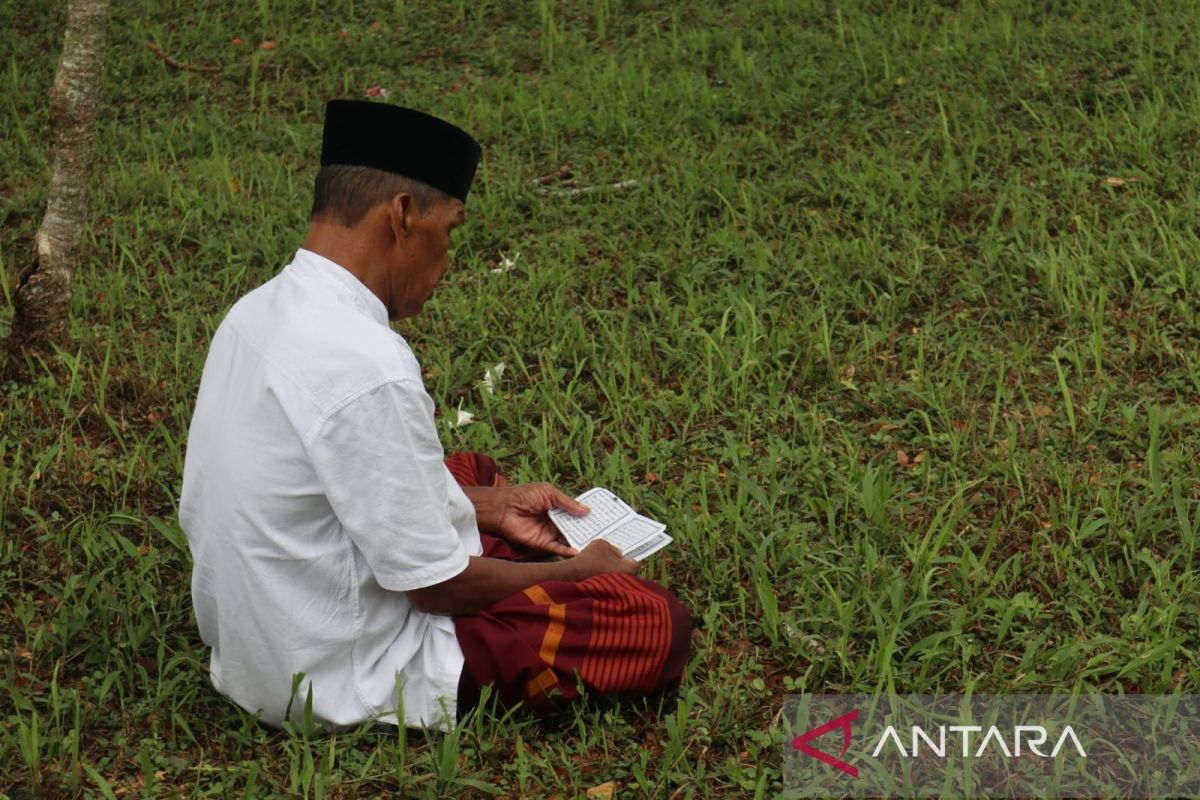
[344, 282]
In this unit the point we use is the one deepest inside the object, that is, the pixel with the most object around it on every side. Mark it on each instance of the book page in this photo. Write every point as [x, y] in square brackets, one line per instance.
[613, 520]
[606, 511]
[649, 547]
[638, 537]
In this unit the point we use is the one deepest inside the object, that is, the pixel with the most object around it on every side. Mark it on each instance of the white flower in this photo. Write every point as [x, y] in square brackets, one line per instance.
[460, 417]
[507, 263]
[491, 377]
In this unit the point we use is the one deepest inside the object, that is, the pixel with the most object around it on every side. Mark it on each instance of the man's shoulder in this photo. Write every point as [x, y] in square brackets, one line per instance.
[322, 346]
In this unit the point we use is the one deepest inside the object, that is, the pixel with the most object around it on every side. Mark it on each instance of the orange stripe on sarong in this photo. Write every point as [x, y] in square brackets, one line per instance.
[538, 595]
[642, 665]
[545, 680]
[630, 611]
[631, 634]
[600, 632]
[557, 625]
[647, 649]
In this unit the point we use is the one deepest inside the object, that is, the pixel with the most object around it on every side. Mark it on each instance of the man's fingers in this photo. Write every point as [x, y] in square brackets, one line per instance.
[560, 549]
[552, 541]
[556, 544]
[567, 504]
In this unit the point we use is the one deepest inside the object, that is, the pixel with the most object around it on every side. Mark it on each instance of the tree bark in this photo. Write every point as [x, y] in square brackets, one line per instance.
[43, 295]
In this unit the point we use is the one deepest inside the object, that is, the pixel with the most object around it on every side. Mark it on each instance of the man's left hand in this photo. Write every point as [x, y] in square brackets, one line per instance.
[518, 514]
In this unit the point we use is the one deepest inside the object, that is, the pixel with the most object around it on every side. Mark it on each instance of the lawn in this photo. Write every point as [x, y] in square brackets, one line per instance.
[887, 309]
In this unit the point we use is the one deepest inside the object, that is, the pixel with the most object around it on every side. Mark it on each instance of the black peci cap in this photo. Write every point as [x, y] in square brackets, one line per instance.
[401, 141]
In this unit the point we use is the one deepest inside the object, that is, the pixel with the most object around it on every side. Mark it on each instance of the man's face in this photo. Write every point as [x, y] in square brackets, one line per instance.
[424, 257]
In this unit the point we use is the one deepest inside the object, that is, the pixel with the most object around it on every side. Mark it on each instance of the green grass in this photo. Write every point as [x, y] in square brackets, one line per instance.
[897, 332]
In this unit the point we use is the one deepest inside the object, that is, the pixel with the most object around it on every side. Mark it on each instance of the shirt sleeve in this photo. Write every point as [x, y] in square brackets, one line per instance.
[380, 463]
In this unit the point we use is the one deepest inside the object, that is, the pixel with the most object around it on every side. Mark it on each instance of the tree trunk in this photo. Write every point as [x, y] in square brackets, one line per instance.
[43, 296]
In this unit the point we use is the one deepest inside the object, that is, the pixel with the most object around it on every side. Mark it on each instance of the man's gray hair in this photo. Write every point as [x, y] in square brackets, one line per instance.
[349, 192]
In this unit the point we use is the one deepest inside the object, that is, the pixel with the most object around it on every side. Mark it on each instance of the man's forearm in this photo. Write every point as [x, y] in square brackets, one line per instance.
[487, 511]
[487, 580]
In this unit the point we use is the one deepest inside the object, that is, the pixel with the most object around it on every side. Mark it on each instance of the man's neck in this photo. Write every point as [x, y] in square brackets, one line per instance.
[346, 248]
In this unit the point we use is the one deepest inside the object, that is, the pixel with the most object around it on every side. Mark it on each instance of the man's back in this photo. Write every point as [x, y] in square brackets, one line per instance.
[305, 524]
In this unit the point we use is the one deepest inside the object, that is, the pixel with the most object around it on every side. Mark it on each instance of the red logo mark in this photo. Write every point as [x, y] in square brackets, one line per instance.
[801, 743]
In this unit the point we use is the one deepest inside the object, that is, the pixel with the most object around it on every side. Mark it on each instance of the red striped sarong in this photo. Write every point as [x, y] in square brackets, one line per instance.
[610, 633]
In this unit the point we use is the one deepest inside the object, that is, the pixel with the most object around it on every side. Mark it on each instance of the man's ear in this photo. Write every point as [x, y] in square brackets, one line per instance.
[402, 213]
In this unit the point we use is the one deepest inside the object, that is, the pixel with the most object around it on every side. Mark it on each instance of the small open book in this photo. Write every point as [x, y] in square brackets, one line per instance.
[613, 520]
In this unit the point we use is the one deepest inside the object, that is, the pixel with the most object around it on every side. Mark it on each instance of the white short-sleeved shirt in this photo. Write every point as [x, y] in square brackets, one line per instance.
[314, 495]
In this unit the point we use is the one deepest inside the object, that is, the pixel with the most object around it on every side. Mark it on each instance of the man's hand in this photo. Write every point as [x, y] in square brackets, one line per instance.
[518, 514]
[599, 556]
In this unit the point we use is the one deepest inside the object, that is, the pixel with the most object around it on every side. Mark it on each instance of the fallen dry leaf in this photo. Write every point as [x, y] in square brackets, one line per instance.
[1112, 180]
[604, 791]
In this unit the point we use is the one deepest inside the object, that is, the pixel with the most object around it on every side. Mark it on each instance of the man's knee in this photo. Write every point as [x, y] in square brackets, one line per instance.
[474, 469]
[679, 619]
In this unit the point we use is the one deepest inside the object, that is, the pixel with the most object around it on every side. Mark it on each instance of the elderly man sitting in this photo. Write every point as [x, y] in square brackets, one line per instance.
[332, 541]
